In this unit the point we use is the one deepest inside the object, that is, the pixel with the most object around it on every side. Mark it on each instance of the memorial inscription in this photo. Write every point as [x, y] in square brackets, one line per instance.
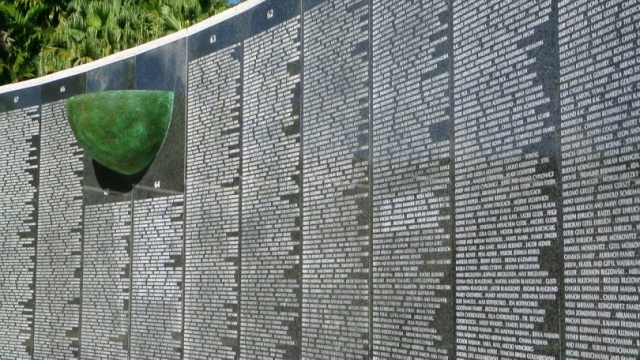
[60, 224]
[19, 142]
[412, 244]
[212, 293]
[599, 84]
[336, 206]
[434, 179]
[106, 290]
[506, 226]
[156, 299]
[271, 190]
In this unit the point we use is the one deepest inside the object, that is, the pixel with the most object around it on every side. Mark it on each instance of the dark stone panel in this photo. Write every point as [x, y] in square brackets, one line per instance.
[19, 164]
[115, 76]
[217, 37]
[271, 216]
[310, 4]
[336, 162]
[63, 89]
[140, 192]
[335, 184]
[106, 185]
[60, 227]
[413, 298]
[164, 68]
[213, 196]
[507, 263]
[269, 14]
[157, 278]
[106, 290]
[19, 99]
[600, 115]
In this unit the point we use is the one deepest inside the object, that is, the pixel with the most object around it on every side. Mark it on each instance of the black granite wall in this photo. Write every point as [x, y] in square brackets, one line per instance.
[434, 179]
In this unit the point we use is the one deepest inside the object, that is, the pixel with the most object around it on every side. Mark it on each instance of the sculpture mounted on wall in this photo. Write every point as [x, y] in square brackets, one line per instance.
[122, 130]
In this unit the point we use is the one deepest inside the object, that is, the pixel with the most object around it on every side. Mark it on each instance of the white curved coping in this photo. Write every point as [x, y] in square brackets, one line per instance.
[125, 54]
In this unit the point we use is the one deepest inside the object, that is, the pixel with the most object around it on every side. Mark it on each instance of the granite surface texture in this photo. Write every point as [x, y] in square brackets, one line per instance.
[428, 179]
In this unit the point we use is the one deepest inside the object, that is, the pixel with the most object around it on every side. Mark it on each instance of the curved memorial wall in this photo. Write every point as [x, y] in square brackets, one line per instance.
[435, 179]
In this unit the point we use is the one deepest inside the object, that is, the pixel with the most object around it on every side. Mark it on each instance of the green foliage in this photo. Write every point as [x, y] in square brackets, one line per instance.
[94, 29]
[178, 14]
[24, 27]
[38, 37]
[97, 28]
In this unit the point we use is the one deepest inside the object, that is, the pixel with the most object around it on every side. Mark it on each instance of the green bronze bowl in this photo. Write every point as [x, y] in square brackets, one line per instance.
[122, 130]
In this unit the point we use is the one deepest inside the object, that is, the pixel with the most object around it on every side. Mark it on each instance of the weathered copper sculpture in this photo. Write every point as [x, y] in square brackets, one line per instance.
[122, 130]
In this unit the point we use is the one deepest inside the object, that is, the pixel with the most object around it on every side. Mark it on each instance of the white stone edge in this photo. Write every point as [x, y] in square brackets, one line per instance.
[125, 54]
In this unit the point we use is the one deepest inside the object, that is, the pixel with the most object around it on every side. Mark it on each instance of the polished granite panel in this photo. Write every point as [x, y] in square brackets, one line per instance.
[432, 179]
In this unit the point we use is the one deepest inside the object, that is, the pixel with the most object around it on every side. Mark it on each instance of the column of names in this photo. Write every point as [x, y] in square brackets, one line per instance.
[19, 142]
[60, 224]
[412, 190]
[506, 228]
[212, 294]
[271, 217]
[600, 110]
[156, 300]
[106, 291]
[336, 233]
